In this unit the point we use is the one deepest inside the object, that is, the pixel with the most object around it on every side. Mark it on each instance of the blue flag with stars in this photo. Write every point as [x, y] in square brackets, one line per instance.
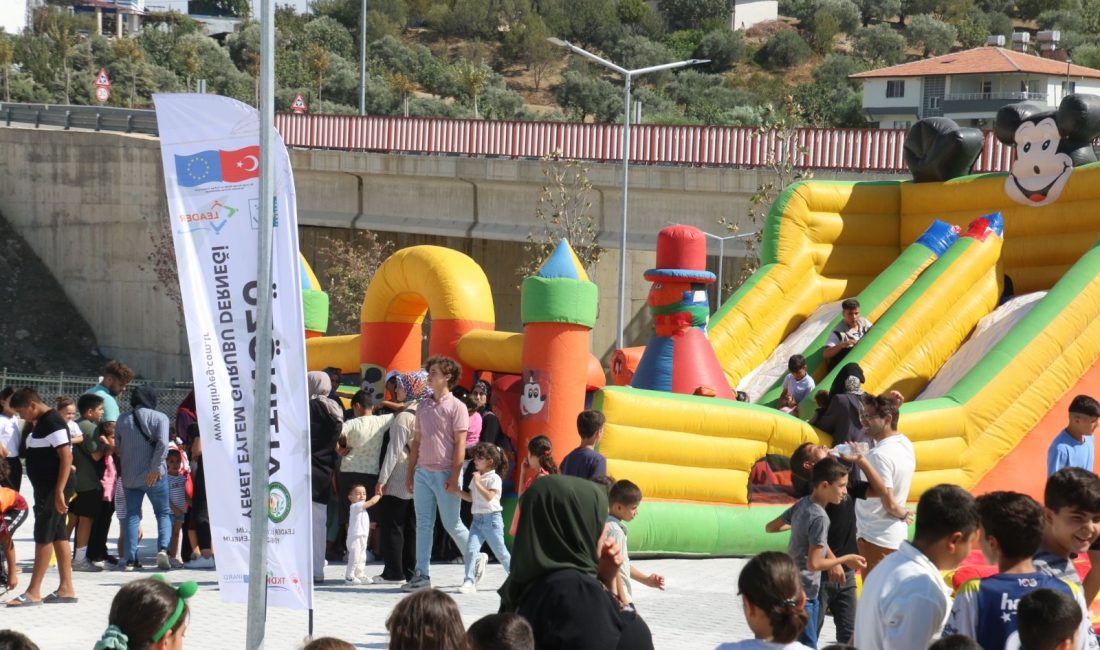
[198, 168]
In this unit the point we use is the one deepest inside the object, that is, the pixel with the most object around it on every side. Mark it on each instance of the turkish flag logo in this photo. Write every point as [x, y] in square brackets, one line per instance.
[240, 165]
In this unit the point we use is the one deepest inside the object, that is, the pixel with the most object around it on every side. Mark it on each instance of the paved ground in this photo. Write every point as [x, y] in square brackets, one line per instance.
[699, 609]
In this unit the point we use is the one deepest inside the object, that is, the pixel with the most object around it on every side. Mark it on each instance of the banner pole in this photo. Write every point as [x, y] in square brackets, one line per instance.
[261, 418]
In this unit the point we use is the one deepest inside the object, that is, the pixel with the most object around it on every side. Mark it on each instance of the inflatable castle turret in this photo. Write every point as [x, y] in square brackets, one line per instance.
[678, 357]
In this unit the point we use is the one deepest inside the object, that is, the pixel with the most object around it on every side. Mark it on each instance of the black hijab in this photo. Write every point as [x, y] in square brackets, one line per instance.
[143, 397]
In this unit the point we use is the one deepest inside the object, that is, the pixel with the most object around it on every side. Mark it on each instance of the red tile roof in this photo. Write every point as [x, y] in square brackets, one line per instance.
[995, 60]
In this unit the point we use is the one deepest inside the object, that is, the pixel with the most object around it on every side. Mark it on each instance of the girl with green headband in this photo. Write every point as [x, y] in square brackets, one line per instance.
[148, 614]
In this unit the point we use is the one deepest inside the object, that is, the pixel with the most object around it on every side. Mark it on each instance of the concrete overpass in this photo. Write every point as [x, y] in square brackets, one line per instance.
[88, 204]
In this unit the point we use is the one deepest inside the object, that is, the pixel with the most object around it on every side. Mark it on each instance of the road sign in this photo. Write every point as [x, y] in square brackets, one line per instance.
[102, 79]
[102, 93]
[299, 105]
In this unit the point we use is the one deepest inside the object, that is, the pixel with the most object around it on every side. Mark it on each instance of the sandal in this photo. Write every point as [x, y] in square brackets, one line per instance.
[54, 598]
[23, 601]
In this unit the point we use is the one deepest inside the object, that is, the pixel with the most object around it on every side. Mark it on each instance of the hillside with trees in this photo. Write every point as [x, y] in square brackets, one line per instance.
[490, 59]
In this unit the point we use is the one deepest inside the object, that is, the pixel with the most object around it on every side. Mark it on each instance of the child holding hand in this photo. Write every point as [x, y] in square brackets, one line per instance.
[358, 531]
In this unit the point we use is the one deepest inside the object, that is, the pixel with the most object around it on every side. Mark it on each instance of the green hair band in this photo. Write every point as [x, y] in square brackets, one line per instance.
[185, 590]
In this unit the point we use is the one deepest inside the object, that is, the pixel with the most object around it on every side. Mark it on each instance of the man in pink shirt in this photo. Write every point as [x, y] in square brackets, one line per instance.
[435, 455]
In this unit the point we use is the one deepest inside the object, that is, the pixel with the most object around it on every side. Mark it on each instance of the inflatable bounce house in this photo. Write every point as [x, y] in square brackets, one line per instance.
[984, 291]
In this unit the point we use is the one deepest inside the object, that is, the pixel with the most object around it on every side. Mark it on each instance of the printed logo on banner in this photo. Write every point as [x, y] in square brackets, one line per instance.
[278, 503]
[215, 217]
[217, 166]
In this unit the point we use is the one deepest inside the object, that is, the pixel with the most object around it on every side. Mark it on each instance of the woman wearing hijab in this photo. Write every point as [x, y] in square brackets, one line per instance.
[395, 515]
[326, 418]
[841, 418]
[142, 440]
[562, 572]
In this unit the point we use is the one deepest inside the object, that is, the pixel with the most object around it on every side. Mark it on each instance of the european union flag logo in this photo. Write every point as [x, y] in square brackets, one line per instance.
[198, 168]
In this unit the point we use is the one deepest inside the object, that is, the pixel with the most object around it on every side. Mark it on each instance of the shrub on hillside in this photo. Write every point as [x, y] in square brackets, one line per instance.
[581, 96]
[783, 50]
[881, 10]
[723, 47]
[694, 14]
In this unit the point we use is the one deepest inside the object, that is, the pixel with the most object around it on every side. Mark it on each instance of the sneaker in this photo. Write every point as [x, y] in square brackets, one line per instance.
[352, 581]
[383, 580]
[162, 561]
[417, 583]
[176, 564]
[467, 588]
[479, 566]
[86, 566]
[133, 566]
[201, 563]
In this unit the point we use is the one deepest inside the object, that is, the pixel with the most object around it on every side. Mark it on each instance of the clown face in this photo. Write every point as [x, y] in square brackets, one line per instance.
[1040, 171]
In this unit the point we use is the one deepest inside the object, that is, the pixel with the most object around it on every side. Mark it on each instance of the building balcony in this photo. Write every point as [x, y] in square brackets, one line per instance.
[987, 102]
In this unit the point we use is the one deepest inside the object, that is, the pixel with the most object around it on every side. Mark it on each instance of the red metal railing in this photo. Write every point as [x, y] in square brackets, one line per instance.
[873, 150]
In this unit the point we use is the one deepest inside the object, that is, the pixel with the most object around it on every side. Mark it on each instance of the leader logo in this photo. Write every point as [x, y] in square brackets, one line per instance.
[278, 503]
[213, 218]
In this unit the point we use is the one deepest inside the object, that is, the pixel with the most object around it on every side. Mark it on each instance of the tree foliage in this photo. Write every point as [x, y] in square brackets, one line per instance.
[350, 266]
[934, 36]
[694, 14]
[880, 45]
[722, 47]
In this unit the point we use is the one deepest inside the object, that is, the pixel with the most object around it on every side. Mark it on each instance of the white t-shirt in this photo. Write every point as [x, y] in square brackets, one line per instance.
[894, 460]
[904, 605]
[760, 644]
[799, 388]
[9, 434]
[482, 506]
[358, 521]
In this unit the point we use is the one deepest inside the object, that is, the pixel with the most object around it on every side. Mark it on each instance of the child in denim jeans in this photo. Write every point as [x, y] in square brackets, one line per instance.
[488, 523]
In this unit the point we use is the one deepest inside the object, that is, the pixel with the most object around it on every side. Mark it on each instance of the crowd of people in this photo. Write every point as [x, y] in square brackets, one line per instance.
[418, 477]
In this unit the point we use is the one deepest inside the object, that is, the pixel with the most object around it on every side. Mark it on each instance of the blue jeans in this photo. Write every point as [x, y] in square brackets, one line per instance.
[429, 495]
[489, 528]
[841, 599]
[809, 634]
[158, 498]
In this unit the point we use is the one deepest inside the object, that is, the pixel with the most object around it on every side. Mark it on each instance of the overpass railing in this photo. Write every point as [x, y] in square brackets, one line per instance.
[872, 150]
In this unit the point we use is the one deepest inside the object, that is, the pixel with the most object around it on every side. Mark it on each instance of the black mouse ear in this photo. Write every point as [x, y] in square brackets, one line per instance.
[1078, 117]
[1010, 117]
[937, 149]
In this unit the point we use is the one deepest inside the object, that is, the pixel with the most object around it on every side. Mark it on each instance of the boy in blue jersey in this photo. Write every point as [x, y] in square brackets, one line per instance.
[985, 609]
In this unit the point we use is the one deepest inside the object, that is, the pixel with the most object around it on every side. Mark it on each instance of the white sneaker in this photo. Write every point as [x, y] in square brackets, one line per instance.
[352, 581]
[162, 561]
[201, 563]
[467, 588]
[379, 580]
[479, 567]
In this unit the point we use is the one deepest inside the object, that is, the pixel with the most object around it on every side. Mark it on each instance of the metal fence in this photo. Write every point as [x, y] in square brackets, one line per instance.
[50, 387]
[871, 150]
[95, 118]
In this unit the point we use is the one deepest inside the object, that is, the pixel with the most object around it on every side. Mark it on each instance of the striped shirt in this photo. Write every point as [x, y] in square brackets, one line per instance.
[177, 491]
[138, 454]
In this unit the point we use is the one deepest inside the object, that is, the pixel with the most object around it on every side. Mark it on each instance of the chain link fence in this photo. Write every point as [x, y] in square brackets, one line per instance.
[169, 393]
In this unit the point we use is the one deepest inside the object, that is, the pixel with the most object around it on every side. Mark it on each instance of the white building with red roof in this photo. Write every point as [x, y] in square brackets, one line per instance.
[969, 86]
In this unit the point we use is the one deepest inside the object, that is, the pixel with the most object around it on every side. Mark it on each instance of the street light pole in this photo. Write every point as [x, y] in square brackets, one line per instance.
[363, 59]
[721, 258]
[628, 77]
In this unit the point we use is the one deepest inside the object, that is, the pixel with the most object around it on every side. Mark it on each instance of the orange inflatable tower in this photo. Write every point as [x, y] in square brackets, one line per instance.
[558, 306]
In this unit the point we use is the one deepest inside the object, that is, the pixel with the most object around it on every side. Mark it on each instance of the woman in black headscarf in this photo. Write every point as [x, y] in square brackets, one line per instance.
[326, 419]
[562, 570]
[841, 418]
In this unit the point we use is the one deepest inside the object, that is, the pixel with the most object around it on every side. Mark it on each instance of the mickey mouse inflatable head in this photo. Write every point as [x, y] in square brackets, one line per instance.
[1049, 144]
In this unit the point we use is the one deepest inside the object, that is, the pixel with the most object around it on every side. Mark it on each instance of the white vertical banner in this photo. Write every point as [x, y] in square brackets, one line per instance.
[210, 151]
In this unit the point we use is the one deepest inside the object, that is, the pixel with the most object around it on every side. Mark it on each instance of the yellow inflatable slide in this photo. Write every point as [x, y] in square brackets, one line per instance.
[825, 241]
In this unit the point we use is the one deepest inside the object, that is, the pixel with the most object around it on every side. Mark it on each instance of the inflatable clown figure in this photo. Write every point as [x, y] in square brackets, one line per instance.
[678, 357]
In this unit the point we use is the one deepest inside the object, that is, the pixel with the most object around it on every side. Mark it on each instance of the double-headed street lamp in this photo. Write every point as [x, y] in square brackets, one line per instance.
[628, 76]
[722, 256]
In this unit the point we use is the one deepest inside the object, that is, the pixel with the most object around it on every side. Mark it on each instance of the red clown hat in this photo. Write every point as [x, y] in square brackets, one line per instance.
[681, 255]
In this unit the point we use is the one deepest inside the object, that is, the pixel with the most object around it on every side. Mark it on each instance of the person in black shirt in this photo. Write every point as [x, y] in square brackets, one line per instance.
[49, 460]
